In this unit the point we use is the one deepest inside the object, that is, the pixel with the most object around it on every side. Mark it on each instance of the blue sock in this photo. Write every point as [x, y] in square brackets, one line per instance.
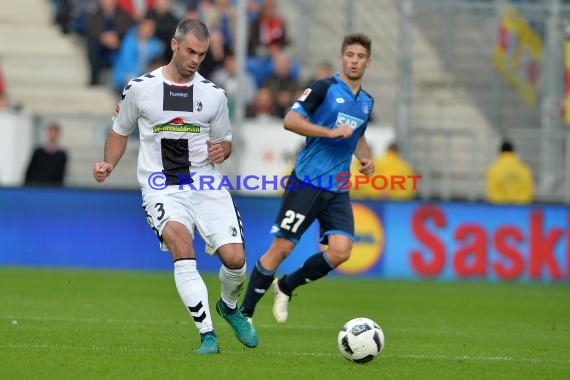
[259, 281]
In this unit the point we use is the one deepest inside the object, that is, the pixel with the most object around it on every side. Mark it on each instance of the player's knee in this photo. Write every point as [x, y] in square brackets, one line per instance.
[235, 261]
[232, 256]
[338, 255]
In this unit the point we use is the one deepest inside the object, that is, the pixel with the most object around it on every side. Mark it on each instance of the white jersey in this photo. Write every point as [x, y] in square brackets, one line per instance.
[174, 121]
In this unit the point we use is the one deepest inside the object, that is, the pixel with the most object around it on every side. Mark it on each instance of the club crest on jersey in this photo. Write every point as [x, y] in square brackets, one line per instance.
[198, 105]
[176, 125]
[351, 121]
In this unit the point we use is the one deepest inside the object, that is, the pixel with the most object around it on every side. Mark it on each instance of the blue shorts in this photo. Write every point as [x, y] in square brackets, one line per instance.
[302, 203]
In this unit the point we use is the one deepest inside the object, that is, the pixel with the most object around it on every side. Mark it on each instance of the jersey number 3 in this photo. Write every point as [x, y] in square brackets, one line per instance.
[292, 221]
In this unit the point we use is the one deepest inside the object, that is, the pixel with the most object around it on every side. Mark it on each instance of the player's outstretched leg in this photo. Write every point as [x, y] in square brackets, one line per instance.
[209, 344]
[242, 327]
[280, 302]
[314, 268]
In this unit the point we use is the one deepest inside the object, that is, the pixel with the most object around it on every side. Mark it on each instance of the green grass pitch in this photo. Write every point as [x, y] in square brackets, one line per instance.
[80, 324]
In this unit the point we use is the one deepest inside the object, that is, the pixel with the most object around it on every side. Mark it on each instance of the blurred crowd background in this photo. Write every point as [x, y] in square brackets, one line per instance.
[470, 94]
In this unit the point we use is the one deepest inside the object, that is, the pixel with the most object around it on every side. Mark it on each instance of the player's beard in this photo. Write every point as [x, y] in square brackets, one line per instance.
[184, 71]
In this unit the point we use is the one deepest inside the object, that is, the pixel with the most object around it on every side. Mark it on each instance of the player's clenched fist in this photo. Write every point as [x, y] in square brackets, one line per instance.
[101, 171]
[215, 153]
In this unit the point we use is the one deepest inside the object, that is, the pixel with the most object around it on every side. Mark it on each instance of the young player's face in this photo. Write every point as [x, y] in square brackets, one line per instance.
[355, 60]
[188, 54]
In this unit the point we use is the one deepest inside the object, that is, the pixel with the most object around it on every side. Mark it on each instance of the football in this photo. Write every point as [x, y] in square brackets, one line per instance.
[360, 340]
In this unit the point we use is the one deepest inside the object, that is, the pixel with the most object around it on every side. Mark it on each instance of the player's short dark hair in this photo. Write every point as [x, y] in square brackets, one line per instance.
[393, 146]
[357, 38]
[53, 125]
[192, 26]
[507, 146]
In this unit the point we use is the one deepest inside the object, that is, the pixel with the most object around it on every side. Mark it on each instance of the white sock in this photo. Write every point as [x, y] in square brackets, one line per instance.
[232, 284]
[194, 294]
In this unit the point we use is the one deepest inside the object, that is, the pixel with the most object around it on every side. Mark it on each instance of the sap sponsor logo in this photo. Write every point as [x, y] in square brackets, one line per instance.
[305, 94]
[368, 241]
[351, 121]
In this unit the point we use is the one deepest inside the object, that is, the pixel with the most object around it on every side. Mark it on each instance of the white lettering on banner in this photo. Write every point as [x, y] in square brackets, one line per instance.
[351, 121]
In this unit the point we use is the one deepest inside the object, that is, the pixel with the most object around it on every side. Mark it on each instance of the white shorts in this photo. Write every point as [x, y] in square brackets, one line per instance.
[212, 212]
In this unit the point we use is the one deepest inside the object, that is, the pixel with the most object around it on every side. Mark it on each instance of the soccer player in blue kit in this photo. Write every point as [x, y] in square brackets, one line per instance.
[333, 114]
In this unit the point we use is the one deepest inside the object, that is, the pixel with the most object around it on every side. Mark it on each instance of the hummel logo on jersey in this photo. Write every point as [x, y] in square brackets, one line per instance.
[351, 121]
[176, 98]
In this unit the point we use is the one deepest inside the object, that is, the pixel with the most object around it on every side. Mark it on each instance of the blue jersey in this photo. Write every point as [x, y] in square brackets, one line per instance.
[330, 103]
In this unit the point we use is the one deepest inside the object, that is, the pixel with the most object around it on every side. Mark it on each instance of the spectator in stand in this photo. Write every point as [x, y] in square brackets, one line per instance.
[219, 14]
[106, 27]
[216, 54]
[263, 67]
[138, 50]
[3, 91]
[262, 105]
[282, 85]
[323, 70]
[253, 9]
[48, 163]
[137, 9]
[391, 166]
[226, 78]
[267, 29]
[63, 12]
[509, 180]
[165, 23]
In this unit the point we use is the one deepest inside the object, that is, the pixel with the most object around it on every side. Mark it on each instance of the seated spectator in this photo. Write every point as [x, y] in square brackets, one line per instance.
[165, 22]
[253, 9]
[48, 163]
[215, 55]
[138, 50]
[63, 12]
[282, 85]
[226, 78]
[106, 27]
[3, 91]
[391, 166]
[267, 29]
[323, 70]
[135, 8]
[263, 67]
[262, 105]
[509, 180]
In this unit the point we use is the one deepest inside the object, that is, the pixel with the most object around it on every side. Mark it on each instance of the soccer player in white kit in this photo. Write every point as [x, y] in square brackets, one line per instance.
[184, 131]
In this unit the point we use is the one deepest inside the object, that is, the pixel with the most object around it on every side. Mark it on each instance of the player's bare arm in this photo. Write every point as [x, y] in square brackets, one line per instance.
[219, 152]
[364, 155]
[114, 149]
[295, 122]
